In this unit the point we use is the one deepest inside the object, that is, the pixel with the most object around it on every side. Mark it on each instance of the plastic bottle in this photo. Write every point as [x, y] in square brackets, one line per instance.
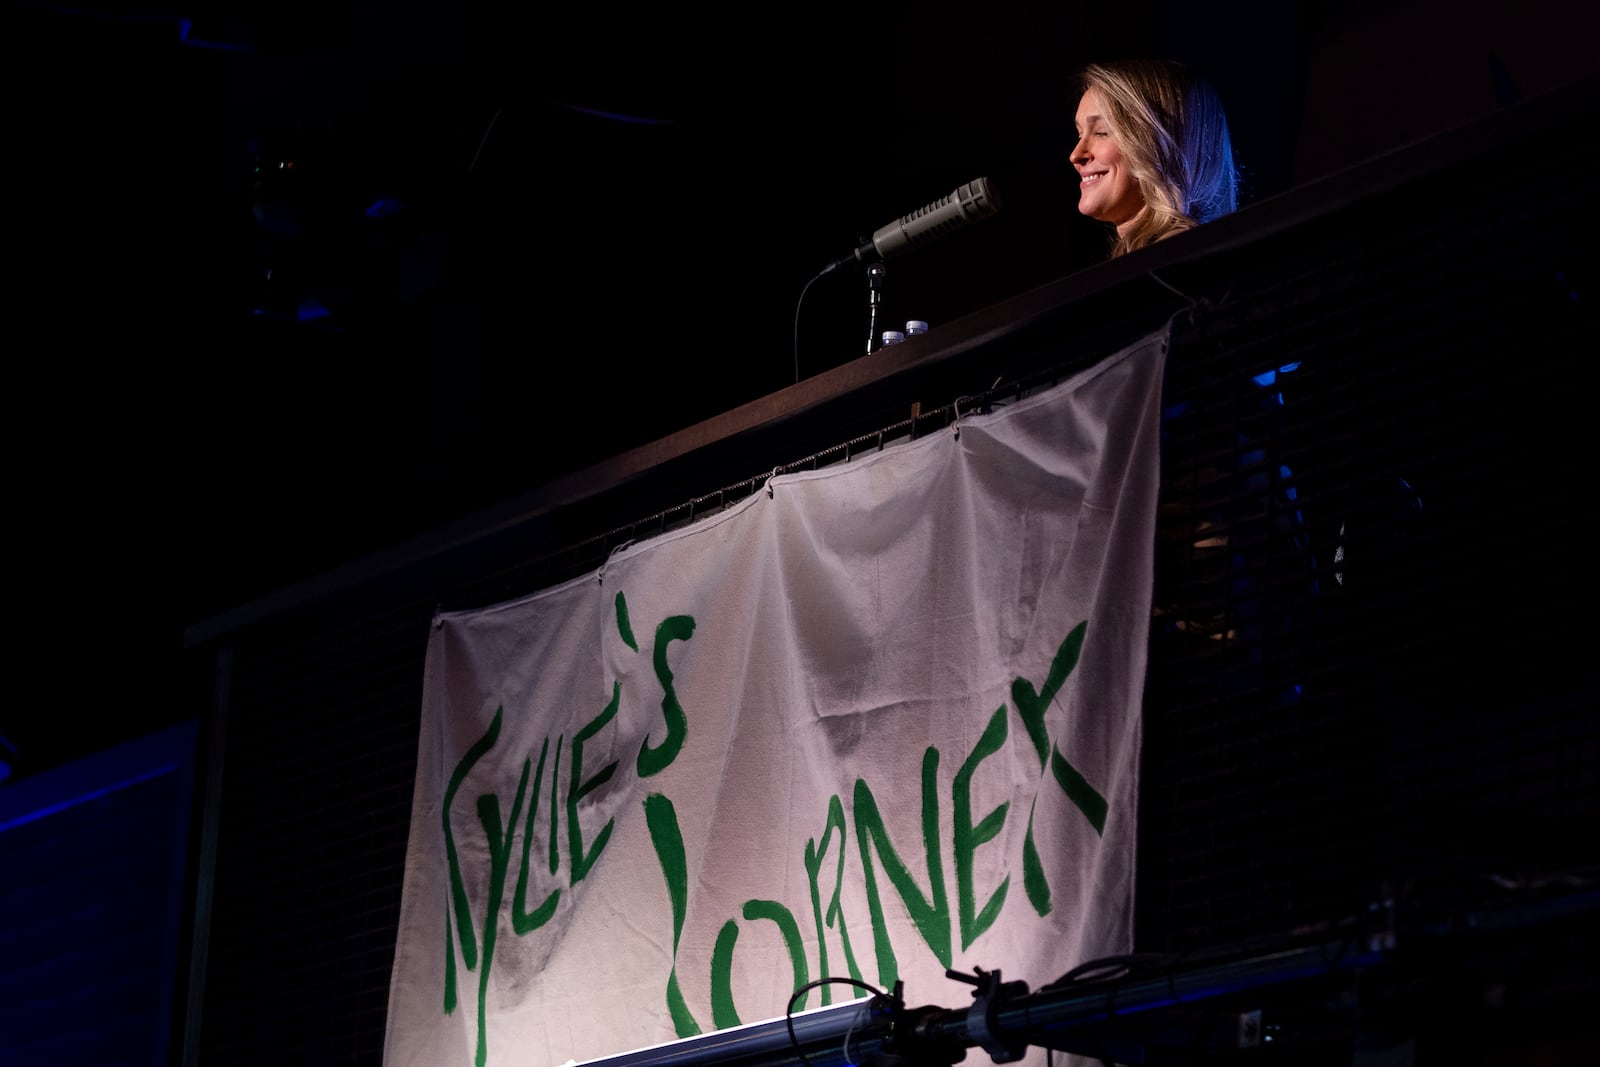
[893, 337]
[915, 326]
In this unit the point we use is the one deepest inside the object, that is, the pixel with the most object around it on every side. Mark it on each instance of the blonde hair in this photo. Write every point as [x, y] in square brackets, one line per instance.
[1171, 128]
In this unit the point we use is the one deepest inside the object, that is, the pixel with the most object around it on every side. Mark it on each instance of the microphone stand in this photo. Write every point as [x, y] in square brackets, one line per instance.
[875, 272]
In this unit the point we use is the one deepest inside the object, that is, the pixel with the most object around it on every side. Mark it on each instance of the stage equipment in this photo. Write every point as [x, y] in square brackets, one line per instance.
[1301, 991]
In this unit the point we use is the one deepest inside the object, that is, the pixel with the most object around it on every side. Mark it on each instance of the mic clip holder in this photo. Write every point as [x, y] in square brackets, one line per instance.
[875, 273]
[929, 1037]
[866, 252]
[983, 1018]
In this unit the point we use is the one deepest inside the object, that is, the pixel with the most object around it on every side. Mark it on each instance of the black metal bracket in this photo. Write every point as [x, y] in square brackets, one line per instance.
[983, 1018]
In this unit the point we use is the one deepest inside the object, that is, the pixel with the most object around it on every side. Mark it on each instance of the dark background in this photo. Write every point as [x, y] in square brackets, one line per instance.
[510, 245]
[292, 282]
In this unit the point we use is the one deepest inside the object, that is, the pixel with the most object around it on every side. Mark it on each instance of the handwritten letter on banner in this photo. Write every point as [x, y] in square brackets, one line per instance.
[880, 721]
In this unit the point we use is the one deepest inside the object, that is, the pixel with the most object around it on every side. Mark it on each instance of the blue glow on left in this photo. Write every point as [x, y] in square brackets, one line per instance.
[84, 798]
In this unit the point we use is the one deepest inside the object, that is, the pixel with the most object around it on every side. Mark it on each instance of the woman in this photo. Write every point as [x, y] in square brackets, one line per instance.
[1153, 151]
[1235, 574]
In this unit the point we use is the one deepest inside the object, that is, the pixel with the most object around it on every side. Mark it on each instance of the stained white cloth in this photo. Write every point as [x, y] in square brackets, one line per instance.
[878, 722]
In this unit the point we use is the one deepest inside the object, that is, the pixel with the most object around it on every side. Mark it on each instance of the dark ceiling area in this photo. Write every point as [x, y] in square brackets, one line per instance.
[313, 277]
[297, 281]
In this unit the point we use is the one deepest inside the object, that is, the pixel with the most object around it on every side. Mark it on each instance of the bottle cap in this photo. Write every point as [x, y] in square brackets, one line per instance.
[916, 326]
[893, 337]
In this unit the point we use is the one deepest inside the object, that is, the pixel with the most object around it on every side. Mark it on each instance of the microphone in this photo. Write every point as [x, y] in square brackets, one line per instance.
[969, 203]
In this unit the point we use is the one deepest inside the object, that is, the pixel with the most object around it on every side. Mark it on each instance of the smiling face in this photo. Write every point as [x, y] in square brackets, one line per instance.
[1108, 191]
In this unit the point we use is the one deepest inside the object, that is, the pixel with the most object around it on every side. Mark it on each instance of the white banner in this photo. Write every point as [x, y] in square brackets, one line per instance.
[877, 720]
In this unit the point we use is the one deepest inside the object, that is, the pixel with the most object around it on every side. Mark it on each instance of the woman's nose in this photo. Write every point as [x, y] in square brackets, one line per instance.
[1080, 151]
